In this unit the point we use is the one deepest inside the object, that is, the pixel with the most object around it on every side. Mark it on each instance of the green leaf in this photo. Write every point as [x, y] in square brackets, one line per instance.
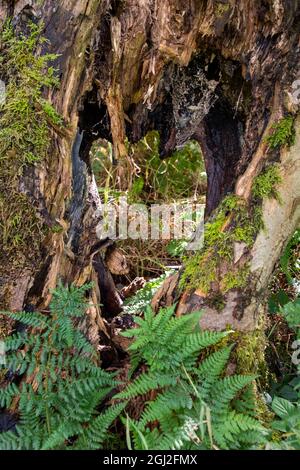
[282, 407]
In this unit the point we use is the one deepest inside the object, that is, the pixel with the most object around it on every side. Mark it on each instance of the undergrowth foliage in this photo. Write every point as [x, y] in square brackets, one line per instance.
[135, 305]
[65, 400]
[287, 411]
[196, 405]
[61, 381]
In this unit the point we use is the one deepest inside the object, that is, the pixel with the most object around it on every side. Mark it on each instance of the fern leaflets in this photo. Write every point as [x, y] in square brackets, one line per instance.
[61, 383]
[193, 405]
[188, 400]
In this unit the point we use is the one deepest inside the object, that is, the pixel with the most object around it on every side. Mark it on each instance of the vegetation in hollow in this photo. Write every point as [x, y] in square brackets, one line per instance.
[180, 176]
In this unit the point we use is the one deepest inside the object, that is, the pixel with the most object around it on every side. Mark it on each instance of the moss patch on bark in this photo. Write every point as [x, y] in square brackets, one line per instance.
[26, 120]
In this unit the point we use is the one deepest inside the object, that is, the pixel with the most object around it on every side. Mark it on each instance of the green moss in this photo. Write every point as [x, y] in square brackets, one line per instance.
[216, 301]
[283, 133]
[264, 185]
[51, 114]
[235, 221]
[257, 218]
[200, 271]
[25, 122]
[214, 230]
[221, 8]
[249, 355]
[250, 351]
[235, 280]
[57, 229]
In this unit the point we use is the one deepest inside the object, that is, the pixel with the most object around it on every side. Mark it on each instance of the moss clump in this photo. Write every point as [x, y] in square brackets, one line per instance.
[221, 8]
[250, 352]
[57, 229]
[234, 221]
[216, 301]
[200, 271]
[283, 133]
[25, 122]
[249, 355]
[264, 185]
[235, 280]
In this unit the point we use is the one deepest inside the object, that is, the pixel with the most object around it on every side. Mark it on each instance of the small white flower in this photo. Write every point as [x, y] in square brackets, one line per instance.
[296, 285]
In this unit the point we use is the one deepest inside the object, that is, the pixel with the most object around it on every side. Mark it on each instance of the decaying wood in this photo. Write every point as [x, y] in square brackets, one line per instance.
[111, 299]
[116, 261]
[129, 291]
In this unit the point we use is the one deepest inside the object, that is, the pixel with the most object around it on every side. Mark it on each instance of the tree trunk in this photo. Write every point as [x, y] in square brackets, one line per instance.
[220, 72]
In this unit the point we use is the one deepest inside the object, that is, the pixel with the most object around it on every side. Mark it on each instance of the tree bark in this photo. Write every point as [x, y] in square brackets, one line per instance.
[217, 71]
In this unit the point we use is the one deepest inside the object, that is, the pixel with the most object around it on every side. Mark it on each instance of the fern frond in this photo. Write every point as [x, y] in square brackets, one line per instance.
[196, 342]
[246, 403]
[69, 301]
[57, 438]
[9, 441]
[161, 319]
[144, 383]
[211, 368]
[21, 439]
[228, 431]
[14, 342]
[176, 439]
[226, 390]
[7, 394]
[93, 437]
[173, 399]
[176, 325]
[34, 319]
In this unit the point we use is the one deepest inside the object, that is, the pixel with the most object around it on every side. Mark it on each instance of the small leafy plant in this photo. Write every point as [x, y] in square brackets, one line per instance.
[286, 280]
[288, 262]
[283, 133]
[287, 422]
[264, 185]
